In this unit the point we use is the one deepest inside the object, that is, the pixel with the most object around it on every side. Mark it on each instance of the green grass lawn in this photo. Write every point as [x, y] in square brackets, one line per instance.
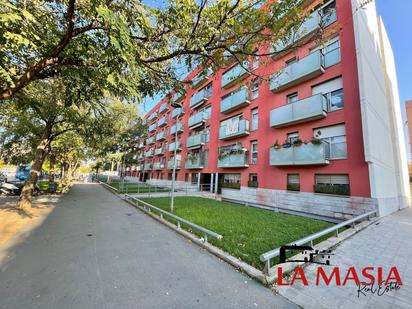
[132, 187]
[247, 231]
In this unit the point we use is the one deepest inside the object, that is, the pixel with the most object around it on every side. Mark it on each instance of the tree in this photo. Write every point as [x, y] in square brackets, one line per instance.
[130, 48]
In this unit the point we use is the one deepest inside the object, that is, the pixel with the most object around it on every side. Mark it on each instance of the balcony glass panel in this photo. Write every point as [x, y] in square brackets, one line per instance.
[297, 72]
[175, 144]
[179, 128]
[161, 122]
[163, 107]
[197, 119]
[160, 136]
[235, 100]
[196, 161]
[152, 127]
[177, 112]
[305, 154]
[198, 98]
[234, 160]
[233, 129]
[201, 77]
[150, 140]
[160, 151]
[195, 140]
[314, 107]
[170, 164]
[158, 166]
[148, 166]
[234, 74]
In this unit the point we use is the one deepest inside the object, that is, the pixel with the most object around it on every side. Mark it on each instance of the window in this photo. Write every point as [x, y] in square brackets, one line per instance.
[291, 61]
[292, 97]
[332, 184]
[186, 177]
[195, 177]
[293, 183]
[328, 13]
[293, 137]
[255, 62]
[231, 181]
[253, 152]
[208, 90]
[334, 138]
[333, 92]
[255, 119]
[255, 89]
[253, 181]
[330, 51]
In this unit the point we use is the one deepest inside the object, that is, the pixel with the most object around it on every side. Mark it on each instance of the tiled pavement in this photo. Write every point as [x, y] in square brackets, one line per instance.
[386, 243]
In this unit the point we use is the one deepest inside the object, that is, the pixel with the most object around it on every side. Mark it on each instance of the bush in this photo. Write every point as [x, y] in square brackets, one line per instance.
[332, 189]
[231, 185]
[293, 187]
[252, 184]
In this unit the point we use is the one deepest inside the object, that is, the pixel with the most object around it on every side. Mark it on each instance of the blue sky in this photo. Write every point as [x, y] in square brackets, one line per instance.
[395, 14]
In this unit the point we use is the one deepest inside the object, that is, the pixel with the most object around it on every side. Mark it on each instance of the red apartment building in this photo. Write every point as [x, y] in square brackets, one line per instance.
[323, 137]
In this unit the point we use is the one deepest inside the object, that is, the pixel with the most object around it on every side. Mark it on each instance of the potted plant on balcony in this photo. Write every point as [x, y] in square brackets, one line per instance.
[276, 145]
[286, 144]
[191, 157]
[222, 154]
[297, 142]
[316, 141]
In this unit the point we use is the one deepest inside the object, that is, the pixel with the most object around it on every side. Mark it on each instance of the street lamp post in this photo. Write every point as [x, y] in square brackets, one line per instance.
[172, 195]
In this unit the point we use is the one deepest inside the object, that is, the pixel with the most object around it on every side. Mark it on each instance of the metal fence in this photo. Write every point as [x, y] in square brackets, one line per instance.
[268, 256]
[163, 213]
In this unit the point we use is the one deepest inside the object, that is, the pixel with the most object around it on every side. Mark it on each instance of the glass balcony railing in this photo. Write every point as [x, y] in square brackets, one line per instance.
[140, 145]
[197, 140]
[152, 116]
[228, 131]
[174, 145]
[197, 120]
[234, 75]
[150, 140]
[178, 127]
[160, 151]
[199, 98]
[161, 122]
[233, 160]
[314, 107]
[163, 107]
[148, 166]
[235, 100]
[297, 72]
[149, 153]
[160, 136]
[178, 96]
[305, 154]
[158, 166]
[171, 162]
[152, 127]
[194, 162]
[177, 112]
[201, 77]
[309, 26]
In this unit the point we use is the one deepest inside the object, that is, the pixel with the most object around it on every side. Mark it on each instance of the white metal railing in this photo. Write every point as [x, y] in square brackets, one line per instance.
[162, 213]
[267, 256]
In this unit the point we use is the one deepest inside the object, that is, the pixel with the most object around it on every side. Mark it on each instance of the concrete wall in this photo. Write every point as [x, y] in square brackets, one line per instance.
[380, 111]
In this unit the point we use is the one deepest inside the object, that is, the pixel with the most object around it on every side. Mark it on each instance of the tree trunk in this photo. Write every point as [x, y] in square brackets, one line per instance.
[111, 171]
[25, 200]
[52, 157]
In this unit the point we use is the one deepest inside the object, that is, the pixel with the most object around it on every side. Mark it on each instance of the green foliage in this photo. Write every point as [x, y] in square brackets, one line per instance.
[332, 189]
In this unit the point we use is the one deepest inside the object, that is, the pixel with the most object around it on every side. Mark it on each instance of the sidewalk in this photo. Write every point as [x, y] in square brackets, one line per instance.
[96, 251]
[385, 244]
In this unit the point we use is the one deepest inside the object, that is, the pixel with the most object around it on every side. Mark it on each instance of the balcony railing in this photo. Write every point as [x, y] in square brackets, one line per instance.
[158, 166]
[152, 116]
[140, 145]
[170, 164]
[177, 112]
[235, 74]
[298, 72]
[163, 107]
[201, 77]
[235, 100]
[160, 151]
[150, 140]
[233, 160]
[178, 96]
[305, 154]
[195, 162]
[174, 145]
[160, 136]
[195, 141]
[228, 131]
[178, 127]
[197, 120]
[149, 153]
[161, 122]
[199, 98]
[148, 166]
[152, 127]
[314, 107]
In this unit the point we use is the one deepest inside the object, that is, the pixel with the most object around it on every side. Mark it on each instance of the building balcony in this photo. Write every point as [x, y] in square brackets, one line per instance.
[148, 166]
[178, 96]
[195, 161]
[234, 75]
[197, 120]
[173, 145]
[311, 108]
[161, 136]
[140, 156]
[199, 98]
[201, 77]
[170, 164]
[152, 116]
[196, 141]
[149, 153]
[161, 122]
[140, 145]
[158, 166]
[178, 127]
[152, 127]
[306, 68]
[305, 154]
[177, 112]
[150, 140]
[233, 160]
[235, 100]
[228, 131]
[160, 151]
[163, 108]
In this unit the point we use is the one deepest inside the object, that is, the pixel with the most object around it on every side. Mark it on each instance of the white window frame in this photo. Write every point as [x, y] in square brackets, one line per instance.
[254, 160]
[255, 121]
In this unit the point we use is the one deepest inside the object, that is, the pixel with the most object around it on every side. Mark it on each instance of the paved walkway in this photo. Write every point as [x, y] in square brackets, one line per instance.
[387, 243]
[95, 251]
